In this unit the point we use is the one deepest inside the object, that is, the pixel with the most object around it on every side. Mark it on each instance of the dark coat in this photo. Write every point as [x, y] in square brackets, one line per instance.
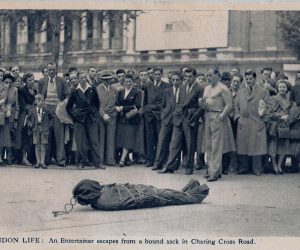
[188, 107]
[168, 106]
[132, 101]
[62, 88]
[82, 106]
[153, 100]
[26, 98]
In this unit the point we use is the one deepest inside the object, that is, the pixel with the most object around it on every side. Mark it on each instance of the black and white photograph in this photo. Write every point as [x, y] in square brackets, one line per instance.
[149, 125]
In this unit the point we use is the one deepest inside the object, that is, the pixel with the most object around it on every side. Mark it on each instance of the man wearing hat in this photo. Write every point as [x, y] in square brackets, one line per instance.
[108, 113]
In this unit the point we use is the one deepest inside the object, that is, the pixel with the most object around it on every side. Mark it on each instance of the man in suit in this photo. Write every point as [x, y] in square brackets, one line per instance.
[54, 90]
[185, 118]
[108, 113]
[170, 98]
[152, 109]
[251, 129]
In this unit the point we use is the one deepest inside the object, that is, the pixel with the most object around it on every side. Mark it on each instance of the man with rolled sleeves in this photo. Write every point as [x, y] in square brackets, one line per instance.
[54, 90]
[108, 113]
[251, 129]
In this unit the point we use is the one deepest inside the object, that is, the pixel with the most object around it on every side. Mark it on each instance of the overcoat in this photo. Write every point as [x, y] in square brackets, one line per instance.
[251, 132]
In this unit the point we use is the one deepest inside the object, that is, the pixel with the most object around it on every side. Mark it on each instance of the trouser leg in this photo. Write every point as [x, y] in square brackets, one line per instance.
[175, 148]
[190, 135]
[110, 142]
[80, 137]
[257, 167]
[102, 139]
[38, 153]
[92, 130]
[217, 142]
[163, 145]
[43, 153]
[243, 163]
[150, 140]
[59, 141]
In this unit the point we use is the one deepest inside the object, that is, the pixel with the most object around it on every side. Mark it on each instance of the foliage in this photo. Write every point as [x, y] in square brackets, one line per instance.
[289, 25]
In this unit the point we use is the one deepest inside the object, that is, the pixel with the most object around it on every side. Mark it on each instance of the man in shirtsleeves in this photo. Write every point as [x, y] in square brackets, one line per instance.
[219, 139]
[54, 90]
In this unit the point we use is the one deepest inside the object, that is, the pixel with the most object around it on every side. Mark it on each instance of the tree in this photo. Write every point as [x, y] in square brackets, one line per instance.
[58, 20]
[289, 24]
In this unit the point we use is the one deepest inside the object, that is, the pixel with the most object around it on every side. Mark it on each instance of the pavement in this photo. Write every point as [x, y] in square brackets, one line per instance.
[237, 205]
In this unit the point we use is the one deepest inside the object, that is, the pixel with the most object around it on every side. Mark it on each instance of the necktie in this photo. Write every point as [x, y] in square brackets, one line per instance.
[188, 89]
[176, 95]
[51, 80]
[250, 90]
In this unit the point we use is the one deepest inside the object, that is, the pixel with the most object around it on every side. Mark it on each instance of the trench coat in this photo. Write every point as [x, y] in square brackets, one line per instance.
[251, 132]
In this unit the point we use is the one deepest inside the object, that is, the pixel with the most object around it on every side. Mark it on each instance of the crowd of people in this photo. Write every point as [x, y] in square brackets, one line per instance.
[221, 122]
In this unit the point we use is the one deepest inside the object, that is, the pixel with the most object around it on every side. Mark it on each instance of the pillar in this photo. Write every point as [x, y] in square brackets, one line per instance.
[7, 37]
[131, 37]
[83, 34]
[22, 35]
[124, 38]
[75, 33]
[106, 34]
[43, 37]
[96, 30]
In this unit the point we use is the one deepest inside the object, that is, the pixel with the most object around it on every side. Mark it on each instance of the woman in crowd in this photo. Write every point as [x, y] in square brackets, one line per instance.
[128, 103]
[11, 111]
[26, 100]
[279, 110]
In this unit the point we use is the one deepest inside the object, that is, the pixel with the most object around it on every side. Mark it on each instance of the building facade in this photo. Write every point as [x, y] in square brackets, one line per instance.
[253, 40]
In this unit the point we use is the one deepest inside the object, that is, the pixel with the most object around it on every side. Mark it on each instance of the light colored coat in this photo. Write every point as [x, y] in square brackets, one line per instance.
[251, 132]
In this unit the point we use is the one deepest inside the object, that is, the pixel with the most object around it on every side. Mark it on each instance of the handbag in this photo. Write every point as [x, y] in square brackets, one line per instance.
[272, 128]
[283, 130]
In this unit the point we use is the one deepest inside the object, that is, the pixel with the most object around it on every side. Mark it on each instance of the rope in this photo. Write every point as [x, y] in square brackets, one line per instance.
[67, 208]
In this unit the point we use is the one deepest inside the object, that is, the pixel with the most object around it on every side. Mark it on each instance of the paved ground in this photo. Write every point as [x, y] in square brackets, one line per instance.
[248, 206]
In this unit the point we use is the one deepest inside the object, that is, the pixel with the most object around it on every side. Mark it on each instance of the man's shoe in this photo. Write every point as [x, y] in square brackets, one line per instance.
[206, 175]
[44, 166]
[156, 168]
[99, 166]
[199, 167]
[189, 171]
[149, 164]
[62, 165]
[25, 162]
[243, 172]
[37, 166]
[212, 179]
[166, 171]
[225, 172]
